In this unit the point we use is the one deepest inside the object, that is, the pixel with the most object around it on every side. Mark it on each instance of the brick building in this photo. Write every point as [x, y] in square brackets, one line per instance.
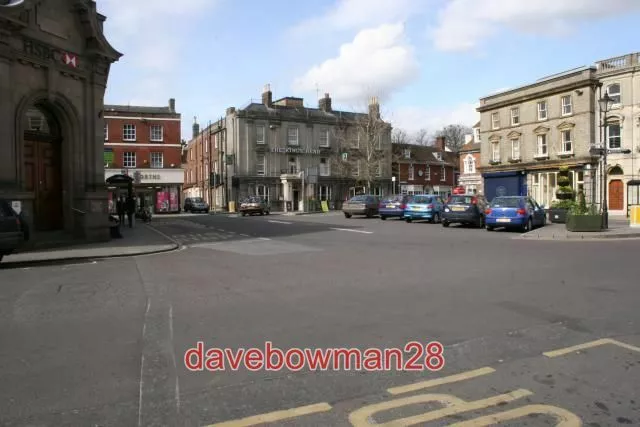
[202, 157]
[144, 143]
[425, 169]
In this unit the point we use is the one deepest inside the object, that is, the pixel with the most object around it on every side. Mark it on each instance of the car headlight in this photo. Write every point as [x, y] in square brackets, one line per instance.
[446, 210]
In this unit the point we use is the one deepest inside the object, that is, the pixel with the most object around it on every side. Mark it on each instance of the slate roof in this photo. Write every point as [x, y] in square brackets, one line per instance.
[470, 147]
[424, 154]
[300, 113]
[138, 109]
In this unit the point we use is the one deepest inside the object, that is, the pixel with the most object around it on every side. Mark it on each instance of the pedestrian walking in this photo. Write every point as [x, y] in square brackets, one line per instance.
[131, 210]
[121, 209]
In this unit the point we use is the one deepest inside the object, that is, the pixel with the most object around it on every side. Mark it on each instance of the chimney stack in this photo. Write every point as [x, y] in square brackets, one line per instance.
[440, 143]
[172, 105]
[325, 103]
[267, 96]
[196, 128]
[374, 107]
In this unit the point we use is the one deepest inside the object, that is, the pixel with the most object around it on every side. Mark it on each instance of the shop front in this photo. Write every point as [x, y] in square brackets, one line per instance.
[158, 190]
[505, 184]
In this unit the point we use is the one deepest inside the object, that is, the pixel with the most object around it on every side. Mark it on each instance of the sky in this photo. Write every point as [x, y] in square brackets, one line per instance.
[428, 61]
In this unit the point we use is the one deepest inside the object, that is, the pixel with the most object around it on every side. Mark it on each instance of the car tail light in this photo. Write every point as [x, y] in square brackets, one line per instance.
[487, 211]
[474, 200]
[381, 205]
[429, 206]
[521, 211]
[18, 222]
[403, 206]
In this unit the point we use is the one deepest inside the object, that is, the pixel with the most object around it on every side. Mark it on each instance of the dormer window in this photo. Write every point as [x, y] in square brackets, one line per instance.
[407, 154]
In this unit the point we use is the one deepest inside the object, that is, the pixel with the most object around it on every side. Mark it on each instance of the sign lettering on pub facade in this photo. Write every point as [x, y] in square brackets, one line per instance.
[45, 52]
[293, 150]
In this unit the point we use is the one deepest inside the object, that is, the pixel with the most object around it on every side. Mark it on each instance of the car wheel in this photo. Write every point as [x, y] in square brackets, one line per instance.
[408, 220]
[528, 226]
[347, 215]
[261, 213]
[369, 213]
[266, 213]
[382, 217]
[489, 228]
[244, 214]
[445, 223]
[435, 219]
[481, 222]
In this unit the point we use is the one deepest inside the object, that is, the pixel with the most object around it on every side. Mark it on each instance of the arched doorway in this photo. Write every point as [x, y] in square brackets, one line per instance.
[616, 195]
[42, 167]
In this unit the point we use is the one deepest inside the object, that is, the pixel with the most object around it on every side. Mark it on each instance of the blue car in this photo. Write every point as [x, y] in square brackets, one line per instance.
[423, 207]
[392, 207]
[515, 212]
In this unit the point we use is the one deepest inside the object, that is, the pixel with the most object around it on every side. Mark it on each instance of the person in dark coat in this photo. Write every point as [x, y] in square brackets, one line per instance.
[131, 210]
[121, 209]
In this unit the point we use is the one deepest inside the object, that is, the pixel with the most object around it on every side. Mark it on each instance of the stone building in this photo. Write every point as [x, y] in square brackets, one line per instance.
[290, 153]
[620, 78]
[469, 162]
[528, 133]
[54, 65]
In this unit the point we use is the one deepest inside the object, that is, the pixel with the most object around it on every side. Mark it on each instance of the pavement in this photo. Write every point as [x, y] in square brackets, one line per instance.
[141, 240]
[534, 332]
[618, 229]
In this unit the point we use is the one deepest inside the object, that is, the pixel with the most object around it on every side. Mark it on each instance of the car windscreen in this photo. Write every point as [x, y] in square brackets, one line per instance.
[421, 199]
[360, 199]
[461, 200]
[197, 200]
[393, 199]
[506, 202]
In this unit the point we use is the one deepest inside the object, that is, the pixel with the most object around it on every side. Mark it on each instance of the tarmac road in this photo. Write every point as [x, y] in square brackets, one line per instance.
[103, 343]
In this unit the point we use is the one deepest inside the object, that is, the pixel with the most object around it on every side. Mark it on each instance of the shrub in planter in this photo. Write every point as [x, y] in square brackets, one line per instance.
[565, 197]
[583, 218]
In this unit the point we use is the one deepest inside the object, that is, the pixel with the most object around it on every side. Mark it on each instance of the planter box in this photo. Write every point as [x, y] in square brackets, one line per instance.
[558, 216]
[584, 222]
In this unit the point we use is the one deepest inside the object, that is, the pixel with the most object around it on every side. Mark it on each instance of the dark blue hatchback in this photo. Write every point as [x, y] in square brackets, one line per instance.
[392, 206]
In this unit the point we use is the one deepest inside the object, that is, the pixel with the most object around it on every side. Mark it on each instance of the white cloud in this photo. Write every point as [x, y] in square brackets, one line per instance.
[377, 62]
[358, 14]
[463, 24]
[412, 119]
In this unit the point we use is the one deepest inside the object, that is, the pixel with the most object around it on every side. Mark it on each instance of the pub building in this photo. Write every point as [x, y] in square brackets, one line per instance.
[54, 67]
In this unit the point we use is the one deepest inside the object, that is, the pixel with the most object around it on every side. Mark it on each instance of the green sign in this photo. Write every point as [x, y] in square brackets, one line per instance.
[108, 157]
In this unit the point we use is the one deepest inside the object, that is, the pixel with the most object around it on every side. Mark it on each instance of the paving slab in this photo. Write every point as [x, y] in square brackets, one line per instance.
[618, 229]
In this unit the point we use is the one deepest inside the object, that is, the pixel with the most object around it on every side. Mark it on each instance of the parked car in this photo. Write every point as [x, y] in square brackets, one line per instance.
[392, 206]
[423, 207]
[361, 205]
[464, 209]
[519, 212]
[13, 231]
[195, 204]
[254, 205]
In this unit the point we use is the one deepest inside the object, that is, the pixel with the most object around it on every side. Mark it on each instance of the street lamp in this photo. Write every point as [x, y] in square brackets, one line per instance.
[605, 103]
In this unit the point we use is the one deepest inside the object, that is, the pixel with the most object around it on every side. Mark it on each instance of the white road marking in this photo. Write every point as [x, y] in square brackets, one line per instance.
[244, 235]
[144, 329]
[173, 358]
[352, 230]
[279, 222]
[263, 238]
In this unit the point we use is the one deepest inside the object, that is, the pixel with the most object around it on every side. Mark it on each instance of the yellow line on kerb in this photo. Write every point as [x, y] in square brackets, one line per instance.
[592, 344]
[439, 381]
[275, 416]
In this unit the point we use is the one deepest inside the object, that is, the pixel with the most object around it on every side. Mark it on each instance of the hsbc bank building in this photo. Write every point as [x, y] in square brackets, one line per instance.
[54, 66]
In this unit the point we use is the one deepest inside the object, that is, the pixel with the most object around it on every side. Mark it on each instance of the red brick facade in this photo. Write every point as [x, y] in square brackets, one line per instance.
[201, 157]
[427, 169]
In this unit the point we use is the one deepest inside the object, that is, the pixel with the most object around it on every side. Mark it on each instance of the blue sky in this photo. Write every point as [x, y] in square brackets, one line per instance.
[429, 61]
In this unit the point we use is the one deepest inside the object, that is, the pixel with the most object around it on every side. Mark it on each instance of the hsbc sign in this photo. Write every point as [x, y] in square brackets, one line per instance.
[49, 53]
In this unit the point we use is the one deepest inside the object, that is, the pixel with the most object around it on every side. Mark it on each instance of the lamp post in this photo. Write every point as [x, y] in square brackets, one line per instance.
[605, 104]
[393, 183]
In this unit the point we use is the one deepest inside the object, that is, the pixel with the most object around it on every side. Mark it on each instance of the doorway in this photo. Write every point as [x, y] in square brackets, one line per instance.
[296, 199]
[616, 195]
[42, 169]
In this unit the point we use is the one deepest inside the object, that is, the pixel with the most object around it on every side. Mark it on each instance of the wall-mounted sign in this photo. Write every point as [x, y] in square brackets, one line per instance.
[292, 150]
[49, 53]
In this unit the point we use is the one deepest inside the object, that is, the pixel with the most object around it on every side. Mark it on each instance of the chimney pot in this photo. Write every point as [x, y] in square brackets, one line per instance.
[267, 96]
[172, 105]
[325, 103]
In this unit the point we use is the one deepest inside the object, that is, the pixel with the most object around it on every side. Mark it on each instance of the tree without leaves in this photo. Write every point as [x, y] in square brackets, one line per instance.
[366, 140]
[421, 137]
[399, 136]
[454, 136]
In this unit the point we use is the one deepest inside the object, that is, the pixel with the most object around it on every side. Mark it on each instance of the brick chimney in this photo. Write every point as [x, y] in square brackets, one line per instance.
[267, 96]
[374, 107]
[440, 143]
[196, 128]
[325, 103]
[172, 105]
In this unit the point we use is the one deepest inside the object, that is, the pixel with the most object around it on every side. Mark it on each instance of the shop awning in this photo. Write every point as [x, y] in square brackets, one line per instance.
[119, 179]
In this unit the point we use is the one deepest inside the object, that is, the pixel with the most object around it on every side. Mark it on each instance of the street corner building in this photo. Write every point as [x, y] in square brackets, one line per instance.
[293, 155]
[143, 143]
[527, 134]
[425, 169]
[54, 66]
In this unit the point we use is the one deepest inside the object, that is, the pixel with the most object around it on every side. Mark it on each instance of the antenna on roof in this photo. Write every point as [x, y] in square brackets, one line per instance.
[317, 91]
